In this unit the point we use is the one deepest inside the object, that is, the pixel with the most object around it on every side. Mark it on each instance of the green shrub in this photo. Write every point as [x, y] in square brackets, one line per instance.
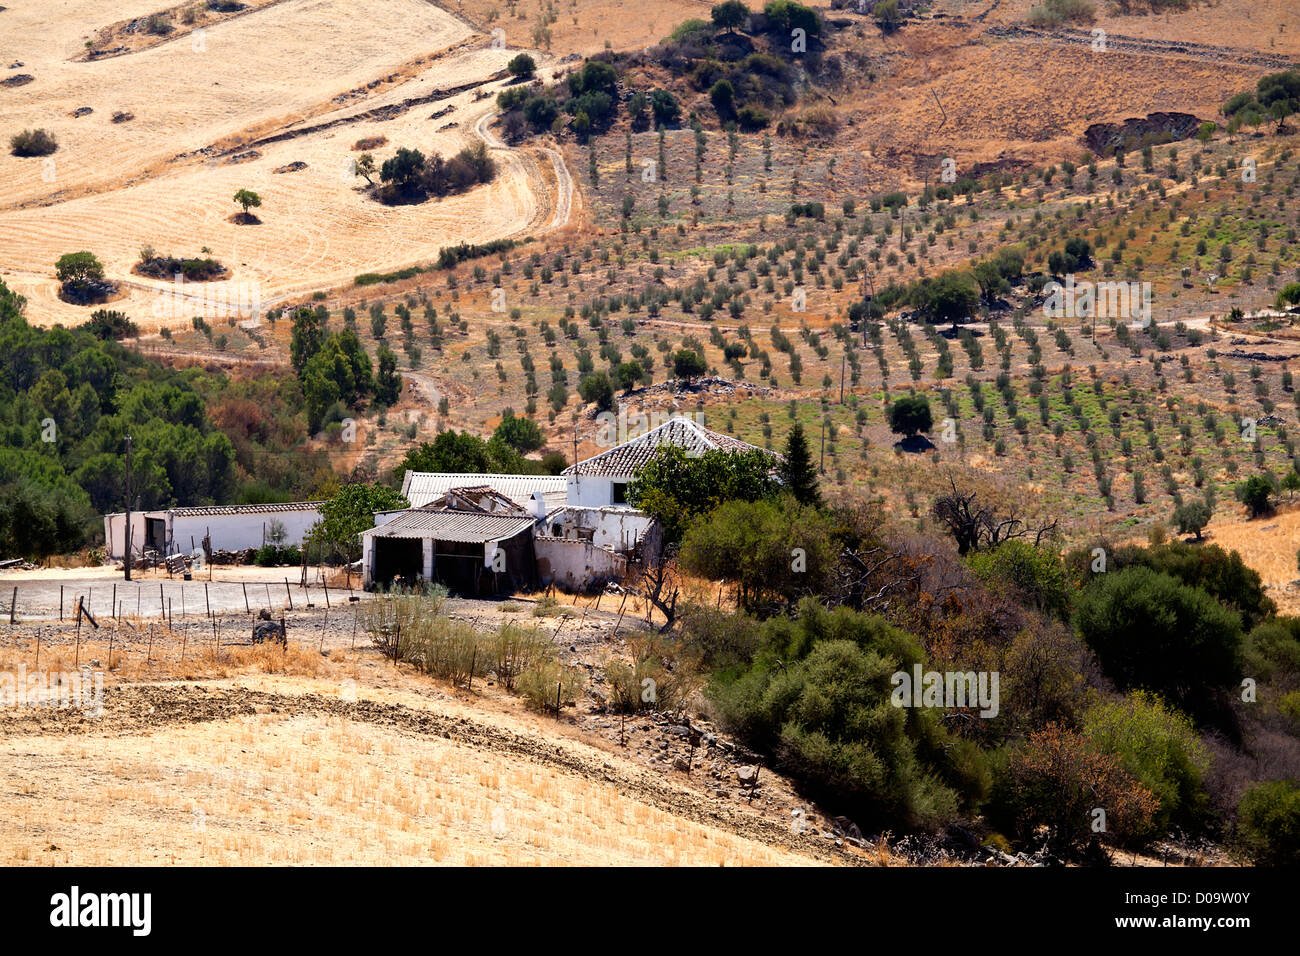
[1220, 573]
[774, 550]
[522, 66]
[1150, 631]
[1256, 493]
[110, 324]
[269, 556]
[1268, 823]
[1036, 576]
[818, 697]
[1271, 650]
[1158, 747]
[751, 118]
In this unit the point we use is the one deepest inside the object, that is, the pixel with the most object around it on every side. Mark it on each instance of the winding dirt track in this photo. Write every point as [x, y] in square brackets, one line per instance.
[563, 205]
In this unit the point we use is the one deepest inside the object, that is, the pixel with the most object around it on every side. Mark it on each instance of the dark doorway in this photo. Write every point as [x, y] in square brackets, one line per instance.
[398, 557]
[155, 534]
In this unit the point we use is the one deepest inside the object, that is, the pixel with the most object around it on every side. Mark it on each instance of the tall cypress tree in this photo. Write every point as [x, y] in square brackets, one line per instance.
[797, 472]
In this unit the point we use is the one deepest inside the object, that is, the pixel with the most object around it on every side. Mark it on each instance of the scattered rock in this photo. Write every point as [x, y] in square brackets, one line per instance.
[267, 631]
[1258, 356]
[747, 775]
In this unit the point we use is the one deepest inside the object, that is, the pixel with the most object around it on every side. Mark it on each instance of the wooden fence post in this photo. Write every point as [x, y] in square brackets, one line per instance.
[77, 659]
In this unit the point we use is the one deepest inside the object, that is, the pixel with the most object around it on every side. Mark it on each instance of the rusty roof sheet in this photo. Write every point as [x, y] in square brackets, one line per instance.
[461, 526]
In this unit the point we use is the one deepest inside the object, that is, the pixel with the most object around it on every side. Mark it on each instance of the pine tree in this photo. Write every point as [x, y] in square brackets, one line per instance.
[797, 472]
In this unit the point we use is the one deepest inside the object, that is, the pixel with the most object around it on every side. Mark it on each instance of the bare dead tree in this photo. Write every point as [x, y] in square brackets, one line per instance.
[976, 526]
[868, 579]
[659, 581]
[963, 518]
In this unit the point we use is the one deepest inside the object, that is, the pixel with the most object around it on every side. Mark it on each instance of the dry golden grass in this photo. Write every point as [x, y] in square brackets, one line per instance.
[316, 789]
[1244, 24]
[584, 26]
[1268, 545]
[170, 657]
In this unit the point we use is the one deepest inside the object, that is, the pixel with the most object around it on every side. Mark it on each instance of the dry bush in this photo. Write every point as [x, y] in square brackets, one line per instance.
[453, 650]
[820, 119]
[395, 615]
[33, 142]
[539, 682]
[515, 649]
[662, 676]
[1053, 13]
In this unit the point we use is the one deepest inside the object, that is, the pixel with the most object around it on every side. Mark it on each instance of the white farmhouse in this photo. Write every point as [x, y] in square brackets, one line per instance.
[602, 481]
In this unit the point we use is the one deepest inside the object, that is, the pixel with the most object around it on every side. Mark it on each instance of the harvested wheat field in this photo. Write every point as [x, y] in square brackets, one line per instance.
[272, 101]
[294, 770]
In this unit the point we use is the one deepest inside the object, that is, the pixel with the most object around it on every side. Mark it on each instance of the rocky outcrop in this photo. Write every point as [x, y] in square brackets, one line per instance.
[1136, 132]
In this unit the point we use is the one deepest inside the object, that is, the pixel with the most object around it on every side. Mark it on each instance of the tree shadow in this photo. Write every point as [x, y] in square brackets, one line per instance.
[915, 444]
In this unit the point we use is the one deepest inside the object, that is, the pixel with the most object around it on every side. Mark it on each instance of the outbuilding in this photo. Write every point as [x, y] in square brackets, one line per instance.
[224, 527]
[474, 553]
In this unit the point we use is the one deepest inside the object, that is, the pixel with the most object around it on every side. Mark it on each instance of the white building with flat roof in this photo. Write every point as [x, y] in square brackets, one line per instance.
[228, 527]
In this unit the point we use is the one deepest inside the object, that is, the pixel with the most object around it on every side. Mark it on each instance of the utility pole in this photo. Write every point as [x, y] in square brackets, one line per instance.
[127, 561]
[821, 467]
[843, 360]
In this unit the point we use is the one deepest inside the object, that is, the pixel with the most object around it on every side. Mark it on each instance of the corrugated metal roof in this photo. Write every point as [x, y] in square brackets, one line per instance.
[421, 487]
[460, 526]
[627, 459]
